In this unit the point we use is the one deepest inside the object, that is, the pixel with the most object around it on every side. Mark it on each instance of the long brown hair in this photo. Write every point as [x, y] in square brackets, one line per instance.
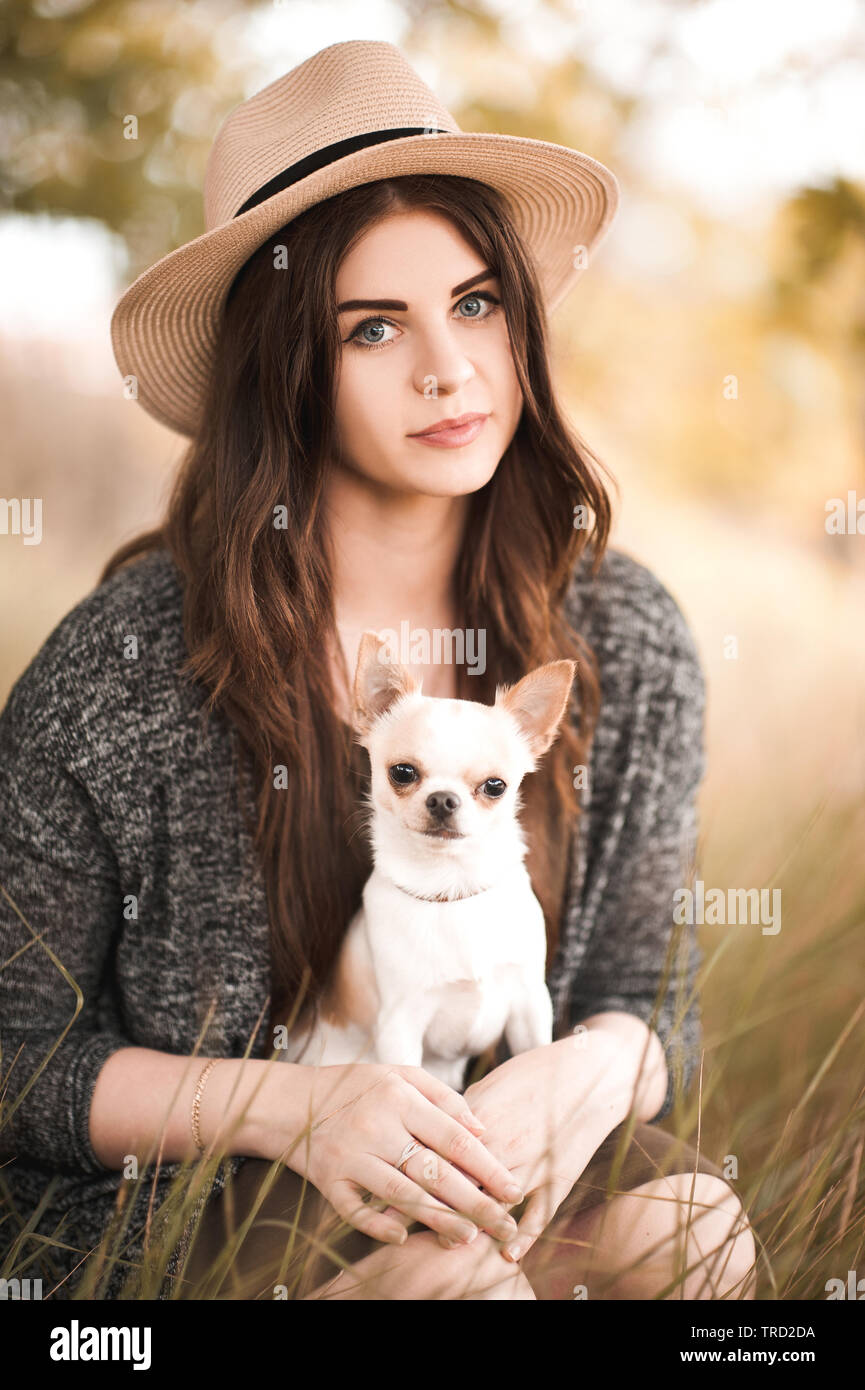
[258, 600]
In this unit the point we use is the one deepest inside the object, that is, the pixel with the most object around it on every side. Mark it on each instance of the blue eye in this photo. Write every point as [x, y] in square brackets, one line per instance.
[374, 324]
[476, 299]
[379, 323]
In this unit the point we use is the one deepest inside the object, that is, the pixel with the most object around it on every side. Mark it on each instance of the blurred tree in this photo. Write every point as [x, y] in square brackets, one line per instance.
[108, 109]
[822, 228]
[819, 290]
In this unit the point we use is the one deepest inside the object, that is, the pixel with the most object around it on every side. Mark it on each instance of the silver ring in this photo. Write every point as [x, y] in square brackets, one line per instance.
[411, 1148]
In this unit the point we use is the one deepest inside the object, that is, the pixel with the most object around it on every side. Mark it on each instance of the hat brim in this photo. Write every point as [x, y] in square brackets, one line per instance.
[164, 328]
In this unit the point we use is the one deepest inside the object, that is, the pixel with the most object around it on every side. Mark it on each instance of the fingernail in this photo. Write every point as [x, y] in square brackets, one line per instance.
[514, 1193]
[469, 1236]
[476, 1123]
[513, 1251]
[504, 1230]
[450, 1244]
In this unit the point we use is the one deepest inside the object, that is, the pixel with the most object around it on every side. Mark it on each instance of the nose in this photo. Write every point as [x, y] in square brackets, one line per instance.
[442, 365]
[442, 804]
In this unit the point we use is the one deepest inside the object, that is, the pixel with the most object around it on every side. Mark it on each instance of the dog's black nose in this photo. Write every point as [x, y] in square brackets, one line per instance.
[442, 804]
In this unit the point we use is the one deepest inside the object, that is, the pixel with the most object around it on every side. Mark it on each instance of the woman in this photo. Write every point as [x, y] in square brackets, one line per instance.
[182, 794]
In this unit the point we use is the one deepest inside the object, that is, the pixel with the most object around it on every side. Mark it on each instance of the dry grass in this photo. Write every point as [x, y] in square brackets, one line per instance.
[782, 806]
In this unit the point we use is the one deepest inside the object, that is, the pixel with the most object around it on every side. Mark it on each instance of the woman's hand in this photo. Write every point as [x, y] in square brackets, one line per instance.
[546, 1113]
[351, 1129]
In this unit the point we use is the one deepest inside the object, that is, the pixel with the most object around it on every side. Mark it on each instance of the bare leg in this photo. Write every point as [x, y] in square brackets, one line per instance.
[423, 1269]
[297, 1244]
[683, 1236]
[644, 1244]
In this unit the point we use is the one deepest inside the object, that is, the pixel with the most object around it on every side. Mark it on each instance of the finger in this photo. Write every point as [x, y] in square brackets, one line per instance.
[396, 1188]
[445, 1240]
[451, 1186]
[539, 1211]
[398, 1216]
[444, 1096]
[381, 1204]
[455, 1144]
[346, 1198]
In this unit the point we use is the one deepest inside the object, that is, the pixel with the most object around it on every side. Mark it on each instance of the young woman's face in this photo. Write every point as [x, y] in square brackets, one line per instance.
[437, 351]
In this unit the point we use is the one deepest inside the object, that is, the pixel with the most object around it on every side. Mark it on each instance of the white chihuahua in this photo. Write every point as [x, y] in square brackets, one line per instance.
[448, 950]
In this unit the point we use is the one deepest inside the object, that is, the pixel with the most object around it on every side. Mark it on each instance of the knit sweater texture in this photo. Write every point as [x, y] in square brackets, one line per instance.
[112, 791]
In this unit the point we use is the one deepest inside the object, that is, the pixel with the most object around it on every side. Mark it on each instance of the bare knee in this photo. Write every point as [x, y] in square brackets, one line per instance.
[719, 1249]
[685, 1236]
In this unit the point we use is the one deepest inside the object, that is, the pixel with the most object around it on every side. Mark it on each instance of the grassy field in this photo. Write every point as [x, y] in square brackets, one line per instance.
[782, 806]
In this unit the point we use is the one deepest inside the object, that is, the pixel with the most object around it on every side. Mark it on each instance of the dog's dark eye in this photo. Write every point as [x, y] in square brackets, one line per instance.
[494, 786]
[403, 774]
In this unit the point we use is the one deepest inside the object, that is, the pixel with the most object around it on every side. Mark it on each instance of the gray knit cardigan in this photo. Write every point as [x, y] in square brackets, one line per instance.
[109, 788]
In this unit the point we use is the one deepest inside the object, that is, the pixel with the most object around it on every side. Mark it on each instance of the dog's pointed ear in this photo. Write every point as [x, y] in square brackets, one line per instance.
[378, 681]
[538, 701]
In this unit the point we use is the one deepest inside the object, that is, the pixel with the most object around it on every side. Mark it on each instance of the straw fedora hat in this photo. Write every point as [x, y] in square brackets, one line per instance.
[352, 113]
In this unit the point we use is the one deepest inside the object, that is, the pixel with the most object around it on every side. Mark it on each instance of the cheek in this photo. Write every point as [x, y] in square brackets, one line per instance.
[361, 403]
[493, 812]
[504, 382]
[404, 805]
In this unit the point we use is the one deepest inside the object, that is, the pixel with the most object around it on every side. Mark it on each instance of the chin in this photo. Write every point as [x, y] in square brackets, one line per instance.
[449, 473]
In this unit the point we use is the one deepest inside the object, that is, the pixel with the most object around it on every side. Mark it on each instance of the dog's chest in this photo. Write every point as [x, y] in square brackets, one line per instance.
[421, 945]
[468, 1015]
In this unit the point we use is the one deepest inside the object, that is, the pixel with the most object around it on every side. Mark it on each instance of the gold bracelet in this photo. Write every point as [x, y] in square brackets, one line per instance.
[196, 1104]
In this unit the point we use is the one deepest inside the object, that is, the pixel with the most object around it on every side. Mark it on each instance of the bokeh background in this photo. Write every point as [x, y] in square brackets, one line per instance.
[713, 357]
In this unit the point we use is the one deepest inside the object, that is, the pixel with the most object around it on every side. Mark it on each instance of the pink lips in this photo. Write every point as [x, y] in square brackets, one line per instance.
[452, 434]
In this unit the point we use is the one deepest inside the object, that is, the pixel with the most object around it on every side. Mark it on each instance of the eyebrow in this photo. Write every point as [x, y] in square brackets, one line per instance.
[400, 304]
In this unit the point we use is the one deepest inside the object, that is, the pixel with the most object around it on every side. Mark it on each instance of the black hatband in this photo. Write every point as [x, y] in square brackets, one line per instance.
[319, 158]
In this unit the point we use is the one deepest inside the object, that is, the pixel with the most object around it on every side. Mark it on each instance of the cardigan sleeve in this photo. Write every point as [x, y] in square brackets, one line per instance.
[645, 772]
[60, 904]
